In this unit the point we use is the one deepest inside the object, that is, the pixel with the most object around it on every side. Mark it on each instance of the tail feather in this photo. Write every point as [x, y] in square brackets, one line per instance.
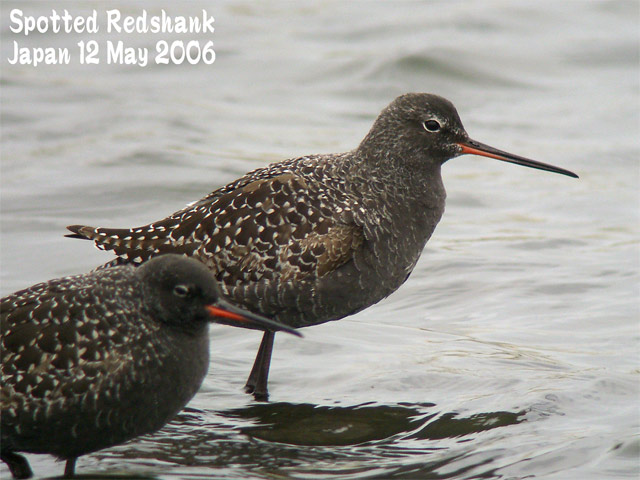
[136, 244]
[81, 231]
[107, 238]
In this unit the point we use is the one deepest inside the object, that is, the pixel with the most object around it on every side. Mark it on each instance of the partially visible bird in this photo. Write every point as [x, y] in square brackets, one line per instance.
[320, 237]
[94, 360]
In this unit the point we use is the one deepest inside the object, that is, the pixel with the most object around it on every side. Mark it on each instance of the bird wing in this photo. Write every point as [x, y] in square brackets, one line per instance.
[51, 331]
[69, 369]
[276, 228]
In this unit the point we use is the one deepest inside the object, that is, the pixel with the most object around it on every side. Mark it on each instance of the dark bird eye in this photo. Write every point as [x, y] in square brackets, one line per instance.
[431, 125]
[181, 290]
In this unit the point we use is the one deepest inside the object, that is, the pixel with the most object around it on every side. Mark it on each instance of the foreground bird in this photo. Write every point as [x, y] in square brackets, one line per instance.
[94, 360]
[320, 237]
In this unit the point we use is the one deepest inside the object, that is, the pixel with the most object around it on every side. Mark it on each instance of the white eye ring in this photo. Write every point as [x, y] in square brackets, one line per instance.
[431, 125]
[181, 290]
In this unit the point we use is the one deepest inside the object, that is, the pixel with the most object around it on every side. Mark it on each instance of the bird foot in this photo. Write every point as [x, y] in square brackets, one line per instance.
[260, 395]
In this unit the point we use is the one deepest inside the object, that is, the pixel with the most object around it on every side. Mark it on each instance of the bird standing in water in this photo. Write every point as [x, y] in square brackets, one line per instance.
[320, 237]
[94, 360]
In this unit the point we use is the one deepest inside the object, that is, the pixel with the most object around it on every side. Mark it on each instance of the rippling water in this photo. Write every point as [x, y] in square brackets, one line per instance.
[511, 352]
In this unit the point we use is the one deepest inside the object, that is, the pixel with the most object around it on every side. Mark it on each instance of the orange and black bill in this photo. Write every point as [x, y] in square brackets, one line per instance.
[476, 148]
[236, 316]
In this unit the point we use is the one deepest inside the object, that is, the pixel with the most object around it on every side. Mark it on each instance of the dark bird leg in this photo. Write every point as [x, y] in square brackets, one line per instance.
[70, 468]
[18, 465]
[259, 376]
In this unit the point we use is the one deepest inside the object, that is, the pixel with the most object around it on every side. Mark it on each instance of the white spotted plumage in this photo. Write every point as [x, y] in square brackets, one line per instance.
[95, 350]
[314, 238]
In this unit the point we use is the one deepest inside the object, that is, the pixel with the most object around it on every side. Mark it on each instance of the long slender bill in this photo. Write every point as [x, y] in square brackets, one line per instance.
[241, 317]
[476, 148]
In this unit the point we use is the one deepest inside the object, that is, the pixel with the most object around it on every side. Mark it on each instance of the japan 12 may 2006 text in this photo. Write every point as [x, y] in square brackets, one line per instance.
[117, 52]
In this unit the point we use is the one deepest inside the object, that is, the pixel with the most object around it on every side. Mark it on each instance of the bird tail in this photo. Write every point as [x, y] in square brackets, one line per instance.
[135, 244]
[104, 238]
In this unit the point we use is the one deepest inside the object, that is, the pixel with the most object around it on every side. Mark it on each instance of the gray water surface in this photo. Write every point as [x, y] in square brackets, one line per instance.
[512, 350]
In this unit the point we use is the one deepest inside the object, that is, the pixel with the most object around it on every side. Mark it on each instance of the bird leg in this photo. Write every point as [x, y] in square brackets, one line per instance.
[18, 465]
[70, 468]
[259, 376]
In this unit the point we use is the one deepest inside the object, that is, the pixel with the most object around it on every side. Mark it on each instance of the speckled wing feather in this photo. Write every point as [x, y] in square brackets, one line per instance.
[59, 328]
[265, 231]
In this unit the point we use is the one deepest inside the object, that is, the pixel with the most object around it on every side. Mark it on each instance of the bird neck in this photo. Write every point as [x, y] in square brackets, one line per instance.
[406, 181]
[195, 328]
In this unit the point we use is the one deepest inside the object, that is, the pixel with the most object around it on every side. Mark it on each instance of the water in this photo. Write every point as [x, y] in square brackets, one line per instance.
[511, 352]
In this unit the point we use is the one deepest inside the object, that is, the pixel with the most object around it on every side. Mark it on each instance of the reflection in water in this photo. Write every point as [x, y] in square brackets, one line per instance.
[307, 424]
[362, 441]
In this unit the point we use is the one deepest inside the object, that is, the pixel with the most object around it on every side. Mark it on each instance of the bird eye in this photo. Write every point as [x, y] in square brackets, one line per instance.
[181, 290]
[431, 125]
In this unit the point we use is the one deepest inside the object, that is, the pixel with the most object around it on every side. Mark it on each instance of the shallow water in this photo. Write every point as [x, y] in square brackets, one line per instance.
[512, 350]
